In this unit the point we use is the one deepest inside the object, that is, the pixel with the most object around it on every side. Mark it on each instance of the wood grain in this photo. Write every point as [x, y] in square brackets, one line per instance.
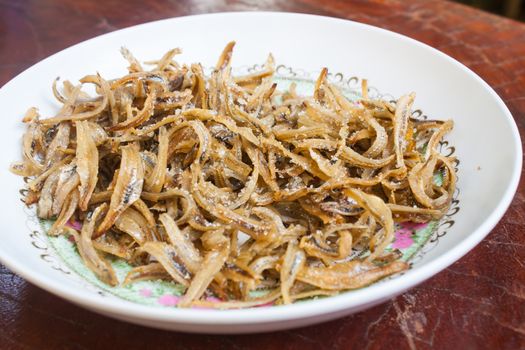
[477, 303]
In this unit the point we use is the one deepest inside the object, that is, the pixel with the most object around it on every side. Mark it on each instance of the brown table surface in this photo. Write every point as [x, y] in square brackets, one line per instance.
[479, 302]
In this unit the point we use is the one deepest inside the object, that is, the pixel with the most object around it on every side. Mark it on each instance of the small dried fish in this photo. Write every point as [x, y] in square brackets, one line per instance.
[127, 188]
[228, 186]
[87, 163]
[91, 257]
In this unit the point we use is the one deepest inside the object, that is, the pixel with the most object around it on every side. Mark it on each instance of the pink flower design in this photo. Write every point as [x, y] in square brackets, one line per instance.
[414, 226]
[168, 300]
[145, 292]
[403, 239]
[74, 224]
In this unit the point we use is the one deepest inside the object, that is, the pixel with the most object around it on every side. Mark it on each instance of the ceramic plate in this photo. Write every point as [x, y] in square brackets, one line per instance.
[485, 139]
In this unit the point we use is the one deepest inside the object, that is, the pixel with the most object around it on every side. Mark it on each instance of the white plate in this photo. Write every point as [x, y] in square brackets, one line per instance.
[485, 137]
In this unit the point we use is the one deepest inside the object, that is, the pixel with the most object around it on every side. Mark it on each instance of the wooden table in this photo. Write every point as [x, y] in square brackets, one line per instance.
[479, 302]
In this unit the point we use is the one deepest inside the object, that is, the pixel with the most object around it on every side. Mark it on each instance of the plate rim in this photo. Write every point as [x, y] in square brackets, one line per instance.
[366, 296]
